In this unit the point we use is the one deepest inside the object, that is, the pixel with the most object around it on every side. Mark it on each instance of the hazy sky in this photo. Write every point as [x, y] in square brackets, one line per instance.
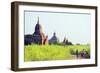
[74, 26]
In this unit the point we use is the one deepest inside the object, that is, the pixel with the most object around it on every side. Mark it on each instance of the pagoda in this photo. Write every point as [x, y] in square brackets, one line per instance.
[38, 36]
[54, 39]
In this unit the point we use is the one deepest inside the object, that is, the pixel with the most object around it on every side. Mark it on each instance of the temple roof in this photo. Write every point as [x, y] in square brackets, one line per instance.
[65, 39]
[38, 27]
[54, 38]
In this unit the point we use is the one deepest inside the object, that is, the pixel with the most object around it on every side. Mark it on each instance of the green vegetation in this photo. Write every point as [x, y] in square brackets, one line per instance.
[52, 52]
[79, 48]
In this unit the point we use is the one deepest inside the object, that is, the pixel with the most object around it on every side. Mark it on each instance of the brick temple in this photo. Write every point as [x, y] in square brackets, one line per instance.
[38, 37]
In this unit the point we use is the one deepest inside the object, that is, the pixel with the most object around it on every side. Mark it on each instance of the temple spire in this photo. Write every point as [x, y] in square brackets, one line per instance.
[38, 20]
[54, 34]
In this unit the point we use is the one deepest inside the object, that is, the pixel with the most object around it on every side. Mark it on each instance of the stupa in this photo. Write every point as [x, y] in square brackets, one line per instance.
[66, 42]
[54, 39]
[38, 36]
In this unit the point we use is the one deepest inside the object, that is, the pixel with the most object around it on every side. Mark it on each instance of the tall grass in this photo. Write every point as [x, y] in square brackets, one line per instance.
[49, 52]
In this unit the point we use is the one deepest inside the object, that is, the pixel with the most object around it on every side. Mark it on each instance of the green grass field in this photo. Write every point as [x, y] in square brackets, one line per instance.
[51, 52]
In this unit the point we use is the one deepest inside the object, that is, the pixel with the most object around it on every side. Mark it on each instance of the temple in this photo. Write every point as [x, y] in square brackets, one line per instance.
[38, 36]
[66, 42]
[54, 39]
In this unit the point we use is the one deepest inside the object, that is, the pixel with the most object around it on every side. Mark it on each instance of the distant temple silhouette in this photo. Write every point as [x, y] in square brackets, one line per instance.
[66, 42]
[54, 39]
[38, 37]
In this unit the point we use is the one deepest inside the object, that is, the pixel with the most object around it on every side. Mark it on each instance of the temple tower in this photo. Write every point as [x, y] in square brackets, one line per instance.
[38, 36]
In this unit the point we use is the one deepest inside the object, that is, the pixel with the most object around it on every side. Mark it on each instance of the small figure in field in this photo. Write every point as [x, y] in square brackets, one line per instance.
[83, 53]
[77, 53]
